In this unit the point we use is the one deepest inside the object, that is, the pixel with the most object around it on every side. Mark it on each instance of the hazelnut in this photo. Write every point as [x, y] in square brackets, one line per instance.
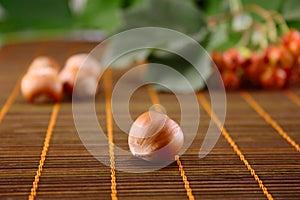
[86, 80]
[155, 137]
[43, 61]
[41, 82]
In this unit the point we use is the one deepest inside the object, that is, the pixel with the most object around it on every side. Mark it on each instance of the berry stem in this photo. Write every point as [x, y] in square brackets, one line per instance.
[263, 43]
[235, 6]
[244, 39]
[280, 21]
[272, 32]
[214, 20]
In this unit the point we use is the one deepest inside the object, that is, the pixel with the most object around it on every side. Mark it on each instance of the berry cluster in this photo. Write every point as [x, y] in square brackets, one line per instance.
[276, 67]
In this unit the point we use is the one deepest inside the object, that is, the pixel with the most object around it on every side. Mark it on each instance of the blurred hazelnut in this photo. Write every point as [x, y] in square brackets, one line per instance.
[86, 80]
[41, 82]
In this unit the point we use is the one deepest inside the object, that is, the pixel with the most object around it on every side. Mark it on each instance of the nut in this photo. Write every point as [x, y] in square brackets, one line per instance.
[43, 61]
[41, 82]
[155, 137]
[86, 80]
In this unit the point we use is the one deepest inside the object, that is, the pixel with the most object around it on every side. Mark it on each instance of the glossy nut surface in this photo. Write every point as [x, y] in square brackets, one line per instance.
[155, 137]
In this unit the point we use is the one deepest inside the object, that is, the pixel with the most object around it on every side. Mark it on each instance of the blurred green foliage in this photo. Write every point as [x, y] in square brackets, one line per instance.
[58, 14]
[35, 14]
[216, 24]
[111, 15]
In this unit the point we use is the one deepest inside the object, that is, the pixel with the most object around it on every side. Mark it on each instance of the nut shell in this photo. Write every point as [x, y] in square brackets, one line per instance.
[42, 62]
[86, 81]
[155, 137]
[88, 63]
[41, 82]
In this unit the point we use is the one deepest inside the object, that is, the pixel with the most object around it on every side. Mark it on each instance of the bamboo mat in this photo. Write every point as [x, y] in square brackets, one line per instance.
[257, 156]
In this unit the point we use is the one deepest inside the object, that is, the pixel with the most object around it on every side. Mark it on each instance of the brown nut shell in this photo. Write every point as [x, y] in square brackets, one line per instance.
[42, 62]
[155, 137]
[86, 81]
[88, 64]
[41, 84]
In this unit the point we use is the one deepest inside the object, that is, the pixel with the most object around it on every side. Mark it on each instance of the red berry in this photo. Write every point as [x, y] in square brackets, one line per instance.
[287, 37]
[254, 68]
[281, 78]
[274, 78]
[217, 57]
[294, 74]
[291, 41]
[294, 48]
[279, 56]
[231, 80]
[276, 68]
[267, 79]
[233, 59]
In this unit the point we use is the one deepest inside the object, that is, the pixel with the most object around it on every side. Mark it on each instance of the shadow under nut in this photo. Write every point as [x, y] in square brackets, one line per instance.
[67, 77]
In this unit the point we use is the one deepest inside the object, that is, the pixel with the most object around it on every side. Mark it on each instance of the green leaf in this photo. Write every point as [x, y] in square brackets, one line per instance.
[266, 4]
[144, 39]
[188, 72]
[152, 40]
[291, 10]
[131, 3]
[218, 37]
[182, 16]
[294, 24]
[117, 45]
[101, 14]
[130, 58]
[231, 42]
[214, 7]
[36, 14]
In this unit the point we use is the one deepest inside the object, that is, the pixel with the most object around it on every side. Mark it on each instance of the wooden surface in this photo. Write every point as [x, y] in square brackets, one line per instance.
[255, 158]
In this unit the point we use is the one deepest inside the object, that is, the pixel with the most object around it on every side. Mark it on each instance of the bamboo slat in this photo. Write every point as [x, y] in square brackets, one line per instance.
[71, 172]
